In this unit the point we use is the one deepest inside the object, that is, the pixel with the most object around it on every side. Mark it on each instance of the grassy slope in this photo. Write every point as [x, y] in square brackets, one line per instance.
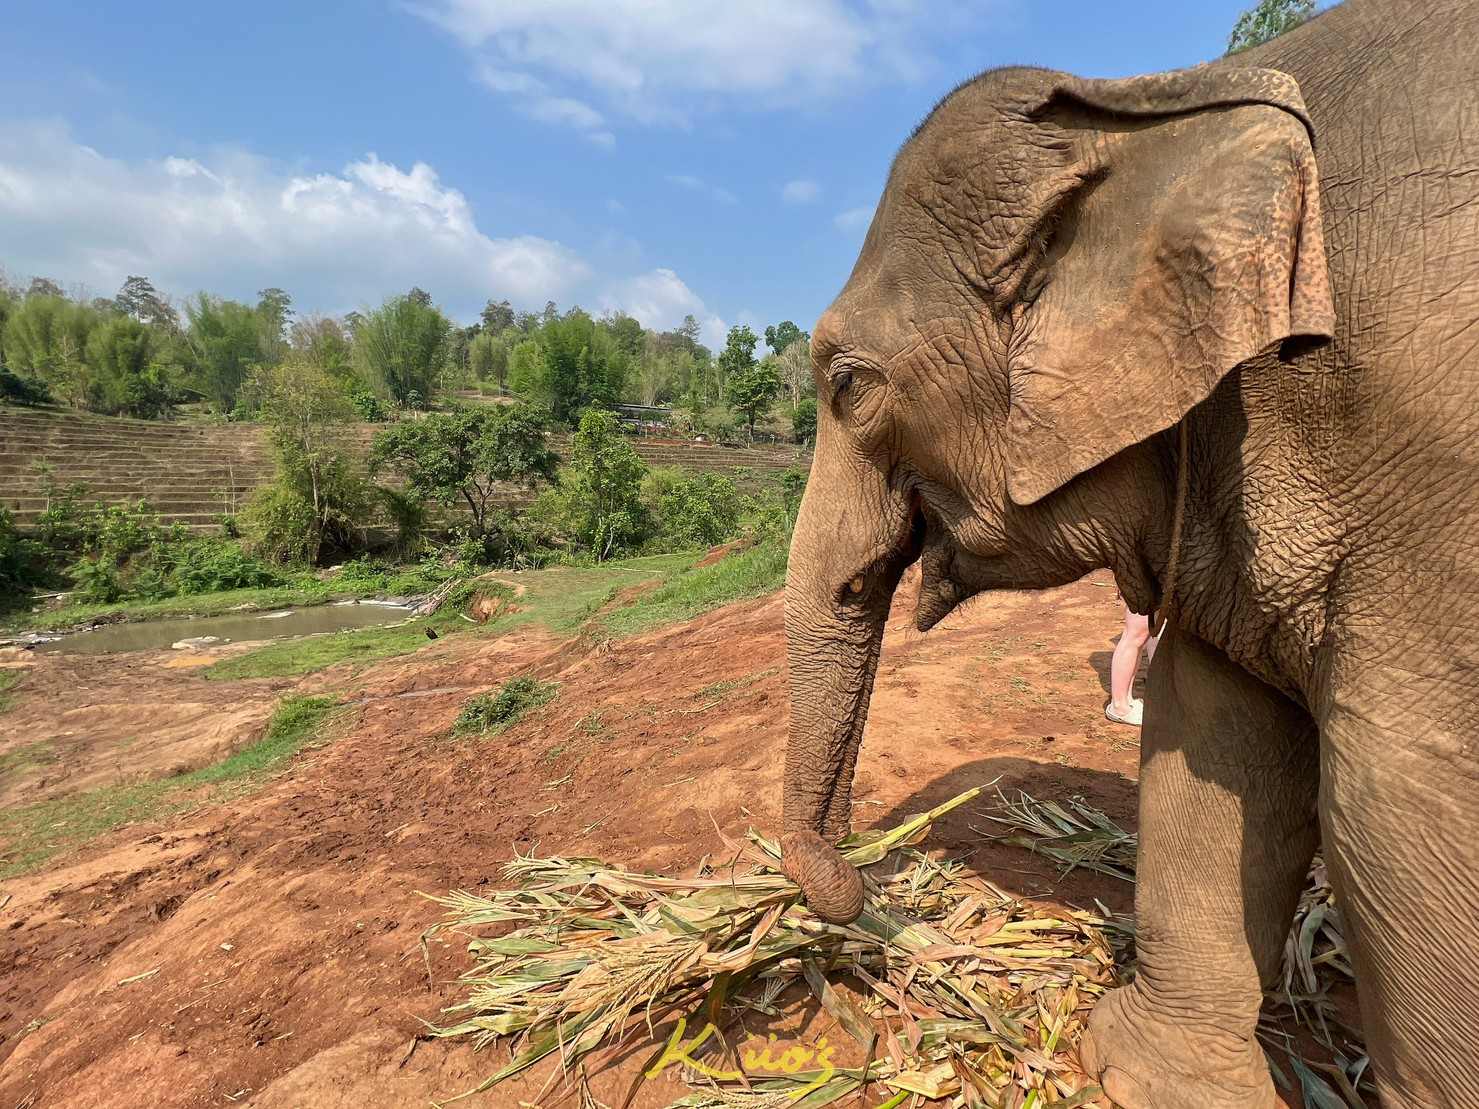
[32, 834]
[560, 599]
[9, 679]
[760, 569]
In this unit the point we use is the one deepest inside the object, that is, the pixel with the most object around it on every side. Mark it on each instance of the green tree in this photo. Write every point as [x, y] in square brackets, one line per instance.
[752, 391]
[469, 455]
[140, 299]
[737, 356]
[44, 287]
[663, 374]
[457, 366]
[688, 332]
[488, 357]
[275, 310]
[804, 421]
[1267, 20]
[497, 317]
[318, 500]
[401, 348]
[782, 335]
[693, 510]
[604, 481]
[10, 302]
[125, 376]
[46, 338]
[626, 334]
[226, 341]
[581, 367]
[794, 365]
[526, 370]
[324, 342]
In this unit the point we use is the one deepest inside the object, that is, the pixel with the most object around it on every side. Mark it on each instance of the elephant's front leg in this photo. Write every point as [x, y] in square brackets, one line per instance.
[1228, 783]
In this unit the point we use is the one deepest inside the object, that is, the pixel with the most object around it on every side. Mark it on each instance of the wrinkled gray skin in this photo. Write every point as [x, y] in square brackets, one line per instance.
[1060, 275]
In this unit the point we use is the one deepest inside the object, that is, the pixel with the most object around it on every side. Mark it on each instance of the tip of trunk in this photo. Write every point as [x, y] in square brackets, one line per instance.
[832, 886]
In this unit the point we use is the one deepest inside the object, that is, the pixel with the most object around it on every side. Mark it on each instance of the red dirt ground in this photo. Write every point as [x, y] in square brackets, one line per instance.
[280, 930]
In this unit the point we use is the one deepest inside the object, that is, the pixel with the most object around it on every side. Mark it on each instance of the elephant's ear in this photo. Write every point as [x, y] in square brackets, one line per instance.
[1184, 239]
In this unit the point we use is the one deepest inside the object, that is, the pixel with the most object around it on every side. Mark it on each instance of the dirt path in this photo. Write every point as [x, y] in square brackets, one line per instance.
[265, 951]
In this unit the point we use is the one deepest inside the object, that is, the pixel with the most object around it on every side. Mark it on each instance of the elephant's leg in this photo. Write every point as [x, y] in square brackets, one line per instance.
[1399, 805]
[1228, 783]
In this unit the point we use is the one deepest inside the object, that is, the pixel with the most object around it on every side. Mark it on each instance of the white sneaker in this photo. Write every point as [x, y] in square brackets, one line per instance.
[1131, 716]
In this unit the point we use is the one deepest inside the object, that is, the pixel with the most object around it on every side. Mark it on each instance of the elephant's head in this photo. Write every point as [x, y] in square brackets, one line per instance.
[1059, 269]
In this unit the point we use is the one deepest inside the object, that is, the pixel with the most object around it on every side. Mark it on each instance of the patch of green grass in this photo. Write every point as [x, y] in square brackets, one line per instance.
[718, 690]
[9, 679]
[750, 573]
[310, 653]
[316, 652]
[560, 599]
[32, 834]
[489, 713]
[563, 598]
[19, 758]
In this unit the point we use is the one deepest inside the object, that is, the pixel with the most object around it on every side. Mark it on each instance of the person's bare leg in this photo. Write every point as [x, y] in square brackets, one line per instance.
[1124, 664]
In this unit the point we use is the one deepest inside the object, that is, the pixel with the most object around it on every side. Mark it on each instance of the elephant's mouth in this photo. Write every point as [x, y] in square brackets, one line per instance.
[939, 590]
[881, 570]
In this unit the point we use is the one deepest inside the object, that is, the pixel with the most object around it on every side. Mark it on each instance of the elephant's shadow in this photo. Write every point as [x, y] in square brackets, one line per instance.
[968, 835]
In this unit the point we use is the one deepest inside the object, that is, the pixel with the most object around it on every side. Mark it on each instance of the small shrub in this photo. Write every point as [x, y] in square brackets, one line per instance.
[197, 566]
[23, 562]
[489, 714]
[425, 576]
[804, 421]
[68, 519]
[692, 510]
[408, 512]
[367, 405]
[22, 390]
[279, 524]
[771, 513]
[363, 575]
[96, 580]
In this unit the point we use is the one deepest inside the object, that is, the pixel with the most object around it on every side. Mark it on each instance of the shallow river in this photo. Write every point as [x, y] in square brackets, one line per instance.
[235, 627]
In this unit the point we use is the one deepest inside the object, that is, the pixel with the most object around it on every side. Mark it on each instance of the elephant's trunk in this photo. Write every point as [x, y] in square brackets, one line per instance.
[847, 555]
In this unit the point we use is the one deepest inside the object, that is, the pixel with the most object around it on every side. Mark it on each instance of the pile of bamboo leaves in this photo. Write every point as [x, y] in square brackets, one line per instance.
[951, 989]
[1316, 958]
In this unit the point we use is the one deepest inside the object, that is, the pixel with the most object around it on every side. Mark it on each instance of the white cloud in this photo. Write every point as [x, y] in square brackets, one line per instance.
[660, 300]
[854, 219]
[699, 185]
[233, 223]
[666, 60]
[800, 192]
[536, 101]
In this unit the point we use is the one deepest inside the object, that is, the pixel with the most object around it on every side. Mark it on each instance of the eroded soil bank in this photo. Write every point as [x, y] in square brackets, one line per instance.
[265, 950]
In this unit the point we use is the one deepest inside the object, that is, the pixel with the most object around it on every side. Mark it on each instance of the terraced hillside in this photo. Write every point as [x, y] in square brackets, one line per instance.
[193, 473]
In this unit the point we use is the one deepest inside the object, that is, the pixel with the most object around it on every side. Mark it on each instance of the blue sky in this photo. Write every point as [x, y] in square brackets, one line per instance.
[657, 156]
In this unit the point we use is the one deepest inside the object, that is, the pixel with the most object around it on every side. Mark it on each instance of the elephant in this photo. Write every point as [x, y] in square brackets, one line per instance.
[1217, 331]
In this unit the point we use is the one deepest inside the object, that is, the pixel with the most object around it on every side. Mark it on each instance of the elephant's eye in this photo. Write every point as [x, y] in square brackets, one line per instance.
[841, 383]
